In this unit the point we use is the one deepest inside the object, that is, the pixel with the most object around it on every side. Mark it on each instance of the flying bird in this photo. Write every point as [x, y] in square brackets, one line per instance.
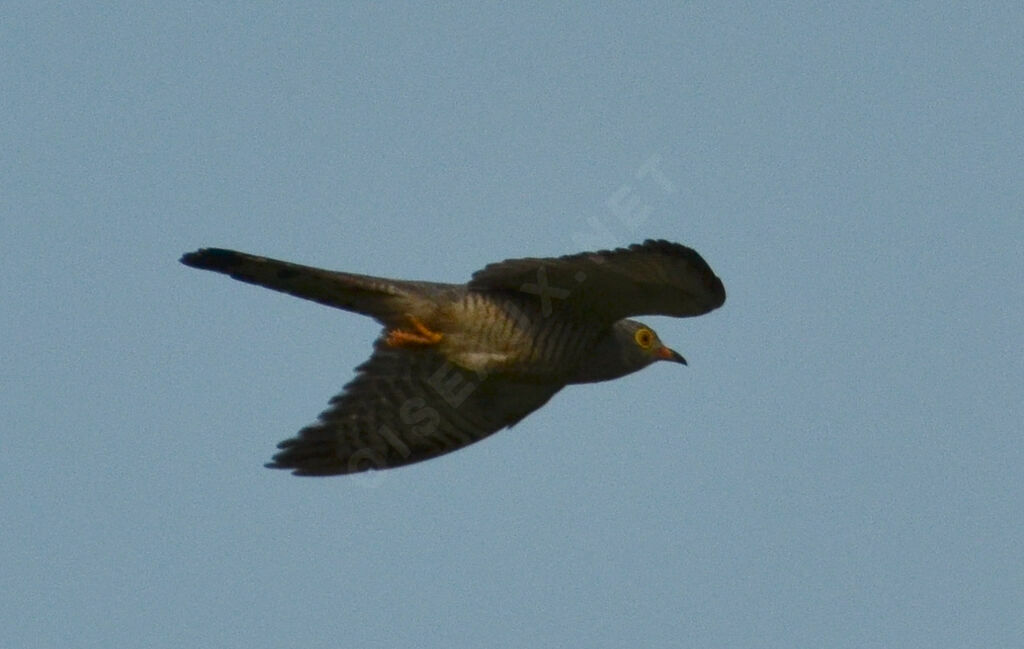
[457, 362]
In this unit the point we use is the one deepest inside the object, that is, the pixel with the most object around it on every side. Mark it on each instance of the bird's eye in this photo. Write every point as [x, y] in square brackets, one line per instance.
[644, 338]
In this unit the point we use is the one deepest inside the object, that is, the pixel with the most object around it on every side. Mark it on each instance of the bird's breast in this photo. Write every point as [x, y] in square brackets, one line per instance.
[489, 333]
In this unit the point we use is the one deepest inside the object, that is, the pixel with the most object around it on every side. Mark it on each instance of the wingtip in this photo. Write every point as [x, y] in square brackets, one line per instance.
[718, 288]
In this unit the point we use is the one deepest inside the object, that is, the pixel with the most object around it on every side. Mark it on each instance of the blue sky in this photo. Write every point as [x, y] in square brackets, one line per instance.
[840, 464]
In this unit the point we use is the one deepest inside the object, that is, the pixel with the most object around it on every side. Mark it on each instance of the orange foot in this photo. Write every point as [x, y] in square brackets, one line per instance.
[422, 336]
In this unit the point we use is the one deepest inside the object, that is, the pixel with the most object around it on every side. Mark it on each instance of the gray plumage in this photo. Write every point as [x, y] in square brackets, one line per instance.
[457, 362]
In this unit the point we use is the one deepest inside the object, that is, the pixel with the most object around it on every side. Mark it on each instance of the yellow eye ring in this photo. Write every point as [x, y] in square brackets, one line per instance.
[644, 338]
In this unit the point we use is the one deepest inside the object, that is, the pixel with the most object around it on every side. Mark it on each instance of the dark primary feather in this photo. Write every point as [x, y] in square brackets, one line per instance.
[405, 406]
[652, 278]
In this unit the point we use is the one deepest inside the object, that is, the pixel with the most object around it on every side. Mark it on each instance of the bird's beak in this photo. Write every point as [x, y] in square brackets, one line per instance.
[666, 354]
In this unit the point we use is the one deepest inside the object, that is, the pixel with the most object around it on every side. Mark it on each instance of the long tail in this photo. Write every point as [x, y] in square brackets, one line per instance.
[377, 297]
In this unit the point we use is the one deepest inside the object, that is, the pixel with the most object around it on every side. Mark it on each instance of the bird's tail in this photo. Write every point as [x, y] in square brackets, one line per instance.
[382, 299]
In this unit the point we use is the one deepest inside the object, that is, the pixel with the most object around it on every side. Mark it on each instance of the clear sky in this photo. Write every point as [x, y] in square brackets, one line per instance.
[839, 466]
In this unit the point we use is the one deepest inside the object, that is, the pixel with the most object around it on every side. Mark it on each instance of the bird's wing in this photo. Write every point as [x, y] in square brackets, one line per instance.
[404, 406]
[653, 277]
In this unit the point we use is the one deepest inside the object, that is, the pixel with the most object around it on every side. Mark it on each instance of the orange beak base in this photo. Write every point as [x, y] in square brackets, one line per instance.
[667, 354]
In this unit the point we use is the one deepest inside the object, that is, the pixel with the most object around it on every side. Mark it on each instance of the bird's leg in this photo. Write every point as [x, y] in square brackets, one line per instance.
[422, 335]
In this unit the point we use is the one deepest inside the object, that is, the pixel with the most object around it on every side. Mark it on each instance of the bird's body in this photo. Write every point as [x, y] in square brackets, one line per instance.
[503, 333]
[457, 362]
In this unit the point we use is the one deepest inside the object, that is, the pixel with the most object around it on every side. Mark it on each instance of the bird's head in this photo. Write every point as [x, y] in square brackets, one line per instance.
[641, 346]
[628, 347]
